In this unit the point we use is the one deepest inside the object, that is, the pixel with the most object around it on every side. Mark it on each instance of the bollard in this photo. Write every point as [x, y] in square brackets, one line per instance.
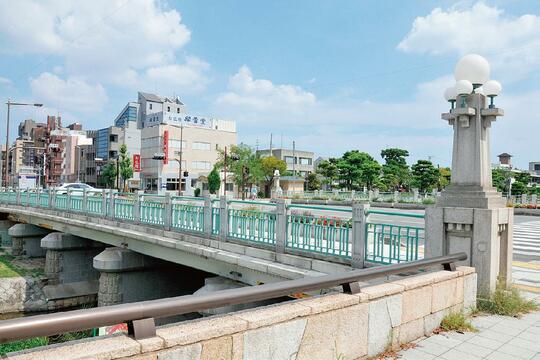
[359, 235]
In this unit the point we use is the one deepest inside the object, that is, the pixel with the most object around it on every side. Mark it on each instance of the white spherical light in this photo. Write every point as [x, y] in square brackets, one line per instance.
[492, 88]
[463, 87]
[479, 90]
[472, 67]
[450, 94]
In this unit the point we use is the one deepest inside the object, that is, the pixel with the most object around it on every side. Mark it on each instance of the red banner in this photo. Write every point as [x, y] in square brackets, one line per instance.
[137, 162]
[166, 146]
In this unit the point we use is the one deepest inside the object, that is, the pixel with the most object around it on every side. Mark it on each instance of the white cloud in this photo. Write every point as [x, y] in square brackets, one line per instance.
[120, 42]
[5, 81]
[512, 41]
[72, 94]
[245, 91]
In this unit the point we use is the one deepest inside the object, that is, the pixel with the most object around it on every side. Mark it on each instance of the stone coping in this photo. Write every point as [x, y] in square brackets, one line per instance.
[356, 326]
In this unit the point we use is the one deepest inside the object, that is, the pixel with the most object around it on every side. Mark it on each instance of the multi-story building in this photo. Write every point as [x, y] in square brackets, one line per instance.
[197, 143]
[299, 162]
[159, 110]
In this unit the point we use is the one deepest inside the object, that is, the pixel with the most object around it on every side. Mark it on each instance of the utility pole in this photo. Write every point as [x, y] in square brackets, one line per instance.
[225, 172]
[180, 162]
[294, 159]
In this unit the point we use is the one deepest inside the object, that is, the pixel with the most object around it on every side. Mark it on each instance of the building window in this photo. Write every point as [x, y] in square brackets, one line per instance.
[289, 160]
[178, 110]
[229, 186]
[305, 161]
[536, 167]
[176, 144]
[168, 109]
[201, 165]
[150, 106]
[198, 145]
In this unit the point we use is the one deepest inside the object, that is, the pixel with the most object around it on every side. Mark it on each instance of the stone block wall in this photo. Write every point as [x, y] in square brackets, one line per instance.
[63, 266]
[326, 327]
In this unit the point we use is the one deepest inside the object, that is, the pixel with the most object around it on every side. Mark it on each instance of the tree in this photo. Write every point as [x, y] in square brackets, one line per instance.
[108, 175]
[126, 170]
[313, 182]
[328, 170]
[244, 164]
[356, 169]
[396, 172]
[269, 165]
[425, 176]
[500, 179]
[444, 177]
[214, 182]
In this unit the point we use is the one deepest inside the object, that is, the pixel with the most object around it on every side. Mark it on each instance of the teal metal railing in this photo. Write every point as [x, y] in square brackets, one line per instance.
[60, 201]
[76, 202]
[44, 199]
[323, 234]
[252, 225]
[152, 212]
[124, 208]
[188, 217]
[388, 243]
[216, 220]
[94, 205]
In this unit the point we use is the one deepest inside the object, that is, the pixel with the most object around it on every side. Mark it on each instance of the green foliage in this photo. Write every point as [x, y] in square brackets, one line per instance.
[357, 169]
[197, 192]
[126, 170]
[396, 173]
[457, 322]
[425, 176]
[244, 165]
[508, 302]
[23, 345]
[214, 181]
[108, 175]
[499, 178]
[328, 170]
[395, 156]
[313, 182]
[444, 177]
[269, 165]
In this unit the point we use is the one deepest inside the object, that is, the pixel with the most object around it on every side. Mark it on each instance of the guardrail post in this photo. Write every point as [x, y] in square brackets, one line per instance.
[111, 204]
[396, 197]
[359, 235]
[207, 215]
[168, 212]
[137, 209]
[52, 198]
[534, 199]
[281, 225]
[84, 199]
[223, 218]
[38, 202]
[370, 195]
[104, 203]
[18, 196]
[352, 194]
[415, 195]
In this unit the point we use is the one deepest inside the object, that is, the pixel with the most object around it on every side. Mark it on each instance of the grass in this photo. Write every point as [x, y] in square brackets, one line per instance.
[508, 302]
[457, 322]
[42, 341]
[8, 269]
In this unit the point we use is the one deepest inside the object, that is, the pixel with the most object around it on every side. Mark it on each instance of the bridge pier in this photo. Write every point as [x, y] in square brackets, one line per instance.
[127, 276]
[26, 240]
[5, 224]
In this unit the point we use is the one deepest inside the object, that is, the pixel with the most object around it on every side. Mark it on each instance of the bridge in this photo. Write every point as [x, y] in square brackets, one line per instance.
[252, 242]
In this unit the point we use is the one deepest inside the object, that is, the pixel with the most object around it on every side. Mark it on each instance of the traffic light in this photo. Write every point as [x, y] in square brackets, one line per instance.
[159, 156]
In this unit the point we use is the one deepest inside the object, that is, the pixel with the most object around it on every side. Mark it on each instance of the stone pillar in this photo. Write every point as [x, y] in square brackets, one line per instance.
[375, 193]
[4, 227]
[137, 209]
[223, 218]
[470, 215]
[281, 224]
[415, 195]
[524, 199]
[396, 197]
[167, 212]
[26, 240]
[359, 236]
[207, 216]
[127, 276]
[370, 195]
[69, 258]
[534, 199]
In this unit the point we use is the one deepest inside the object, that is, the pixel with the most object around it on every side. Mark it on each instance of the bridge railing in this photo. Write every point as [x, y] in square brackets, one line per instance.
[140, 315]
[351, 235]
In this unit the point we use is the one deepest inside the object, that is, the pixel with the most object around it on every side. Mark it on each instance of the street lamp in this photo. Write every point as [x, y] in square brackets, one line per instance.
[450, 96]
[473, 68]
[492, 88]
[463, 88]
[9, 104]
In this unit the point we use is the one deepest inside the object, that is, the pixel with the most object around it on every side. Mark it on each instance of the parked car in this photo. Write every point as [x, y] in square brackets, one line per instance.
[75, 188]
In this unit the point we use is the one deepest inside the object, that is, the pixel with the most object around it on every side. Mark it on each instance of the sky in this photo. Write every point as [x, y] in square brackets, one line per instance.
[331, 76]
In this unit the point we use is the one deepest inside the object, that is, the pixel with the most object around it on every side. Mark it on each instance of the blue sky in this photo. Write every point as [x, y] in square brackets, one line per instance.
[332, 76]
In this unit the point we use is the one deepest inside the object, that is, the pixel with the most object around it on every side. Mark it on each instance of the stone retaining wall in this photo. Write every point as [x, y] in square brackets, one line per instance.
[327, 327]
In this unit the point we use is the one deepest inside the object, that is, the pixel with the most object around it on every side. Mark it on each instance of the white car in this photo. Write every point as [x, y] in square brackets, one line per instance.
[75, 188]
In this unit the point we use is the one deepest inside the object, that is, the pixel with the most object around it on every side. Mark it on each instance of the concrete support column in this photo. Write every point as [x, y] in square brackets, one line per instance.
[359, 236]
[223, 218]
[26, 239]
[281, 224]
[207, 216]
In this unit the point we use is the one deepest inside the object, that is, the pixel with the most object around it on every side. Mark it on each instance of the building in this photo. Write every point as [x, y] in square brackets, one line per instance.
[159, 110]
[505, 160]
[197, 142]
[299, 162]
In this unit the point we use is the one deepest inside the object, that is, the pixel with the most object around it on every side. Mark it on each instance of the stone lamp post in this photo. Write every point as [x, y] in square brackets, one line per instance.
[470, 215]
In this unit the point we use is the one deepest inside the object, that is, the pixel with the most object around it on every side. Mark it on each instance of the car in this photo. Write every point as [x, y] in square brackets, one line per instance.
[75, 188]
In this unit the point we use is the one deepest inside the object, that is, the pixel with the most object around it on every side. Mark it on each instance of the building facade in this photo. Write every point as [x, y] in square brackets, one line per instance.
[299, 162]
[198, 146]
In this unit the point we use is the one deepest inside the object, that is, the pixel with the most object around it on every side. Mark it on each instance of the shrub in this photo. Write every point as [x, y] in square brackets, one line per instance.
[197, 192]
[507, 302]
[456, 322]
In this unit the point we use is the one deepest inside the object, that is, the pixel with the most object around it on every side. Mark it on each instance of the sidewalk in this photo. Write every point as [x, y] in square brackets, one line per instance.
[498, 337]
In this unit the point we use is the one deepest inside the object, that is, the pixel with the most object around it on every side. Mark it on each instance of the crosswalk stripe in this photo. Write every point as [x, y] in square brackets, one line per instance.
[527, 238]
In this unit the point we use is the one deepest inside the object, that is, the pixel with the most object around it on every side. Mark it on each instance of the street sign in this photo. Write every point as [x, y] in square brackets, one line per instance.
[166, 147]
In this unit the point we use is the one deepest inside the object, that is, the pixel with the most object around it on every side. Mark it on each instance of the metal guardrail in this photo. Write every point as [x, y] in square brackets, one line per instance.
[140, 315]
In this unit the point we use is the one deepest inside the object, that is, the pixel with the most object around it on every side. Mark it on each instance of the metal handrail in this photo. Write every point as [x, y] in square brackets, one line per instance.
[140, 315]
[390, 213]
[325, 208]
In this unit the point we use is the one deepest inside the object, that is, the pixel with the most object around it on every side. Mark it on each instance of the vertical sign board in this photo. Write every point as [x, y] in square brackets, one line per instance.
[166, 147]
[137, 162]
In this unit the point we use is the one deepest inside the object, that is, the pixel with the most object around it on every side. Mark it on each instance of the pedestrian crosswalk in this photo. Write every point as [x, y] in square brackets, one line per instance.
[527, 238]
